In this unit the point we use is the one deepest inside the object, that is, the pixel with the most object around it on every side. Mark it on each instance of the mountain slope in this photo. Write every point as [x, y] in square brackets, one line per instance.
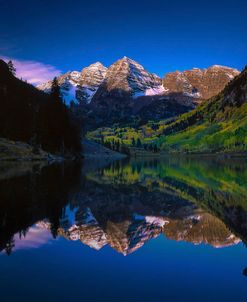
[219, 124]
[160, 108]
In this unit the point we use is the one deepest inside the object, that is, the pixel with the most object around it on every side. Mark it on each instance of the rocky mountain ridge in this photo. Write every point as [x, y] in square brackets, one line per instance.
[201, 84]
[126, 90]
[126, 75]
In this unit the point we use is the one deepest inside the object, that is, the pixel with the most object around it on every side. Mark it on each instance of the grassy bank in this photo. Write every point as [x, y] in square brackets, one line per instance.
[12, 151]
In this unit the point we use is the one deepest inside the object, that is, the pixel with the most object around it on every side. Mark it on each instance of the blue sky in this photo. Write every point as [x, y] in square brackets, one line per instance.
[161, 35]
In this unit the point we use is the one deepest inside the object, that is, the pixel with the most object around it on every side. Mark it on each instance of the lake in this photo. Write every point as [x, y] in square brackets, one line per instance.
[173, 229]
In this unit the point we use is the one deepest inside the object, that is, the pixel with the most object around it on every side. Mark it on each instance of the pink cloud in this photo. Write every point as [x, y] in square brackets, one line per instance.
[35, 238]
[33, 72]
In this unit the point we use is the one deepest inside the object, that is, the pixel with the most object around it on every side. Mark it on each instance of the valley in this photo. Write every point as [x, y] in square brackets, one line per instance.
[131, 111]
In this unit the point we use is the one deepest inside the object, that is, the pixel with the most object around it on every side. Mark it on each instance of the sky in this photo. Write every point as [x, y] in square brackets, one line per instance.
[50, 37]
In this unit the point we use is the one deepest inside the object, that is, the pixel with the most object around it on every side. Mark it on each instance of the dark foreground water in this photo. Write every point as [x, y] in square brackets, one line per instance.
[168, 230]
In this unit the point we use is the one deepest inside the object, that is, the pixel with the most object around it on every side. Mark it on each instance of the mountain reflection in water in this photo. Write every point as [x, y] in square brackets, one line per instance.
[123, 204]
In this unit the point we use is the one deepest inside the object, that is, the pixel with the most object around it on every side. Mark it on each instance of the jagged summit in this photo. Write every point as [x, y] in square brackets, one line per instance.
[95, 66]
[129, 76]
[125, 58]
[93, 75]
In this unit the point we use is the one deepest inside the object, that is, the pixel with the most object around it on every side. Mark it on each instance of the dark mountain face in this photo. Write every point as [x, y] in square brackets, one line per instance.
[162, 108]
[115, 107]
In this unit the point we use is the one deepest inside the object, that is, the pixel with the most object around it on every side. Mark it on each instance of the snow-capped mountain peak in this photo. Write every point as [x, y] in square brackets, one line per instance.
[128, 76]
[78, 86]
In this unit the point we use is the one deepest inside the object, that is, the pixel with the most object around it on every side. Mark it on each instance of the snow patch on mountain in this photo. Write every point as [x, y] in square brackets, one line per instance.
[159, 90]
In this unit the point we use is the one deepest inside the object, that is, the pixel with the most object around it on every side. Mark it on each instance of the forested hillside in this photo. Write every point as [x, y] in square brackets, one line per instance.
[31, 116]
[218, 125]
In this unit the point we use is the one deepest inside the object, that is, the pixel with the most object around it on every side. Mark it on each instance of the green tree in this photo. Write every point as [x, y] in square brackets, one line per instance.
[133, 142]
[138, 143]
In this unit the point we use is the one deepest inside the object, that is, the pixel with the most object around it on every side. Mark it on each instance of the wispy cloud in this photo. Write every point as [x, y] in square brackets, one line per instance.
[32, 71]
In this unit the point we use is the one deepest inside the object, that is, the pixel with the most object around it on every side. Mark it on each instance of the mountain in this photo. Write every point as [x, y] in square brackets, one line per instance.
[131, 233]
[182, 92]
[106, 96]
[200, 84]
[217, 125]
[201, 228]
[126, 76]
[126, 92]
[125, 81]
[79, 86]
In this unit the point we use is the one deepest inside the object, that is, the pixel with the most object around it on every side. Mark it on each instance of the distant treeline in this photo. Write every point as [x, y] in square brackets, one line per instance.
[119, 146]
[31, 116]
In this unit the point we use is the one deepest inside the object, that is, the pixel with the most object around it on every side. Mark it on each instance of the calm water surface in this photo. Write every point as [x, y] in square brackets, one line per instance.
[137, 230]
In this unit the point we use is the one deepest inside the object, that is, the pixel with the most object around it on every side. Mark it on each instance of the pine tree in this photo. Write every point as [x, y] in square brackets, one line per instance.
[138, 144]
[133, 142]
[55, 91]
[12, 68]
